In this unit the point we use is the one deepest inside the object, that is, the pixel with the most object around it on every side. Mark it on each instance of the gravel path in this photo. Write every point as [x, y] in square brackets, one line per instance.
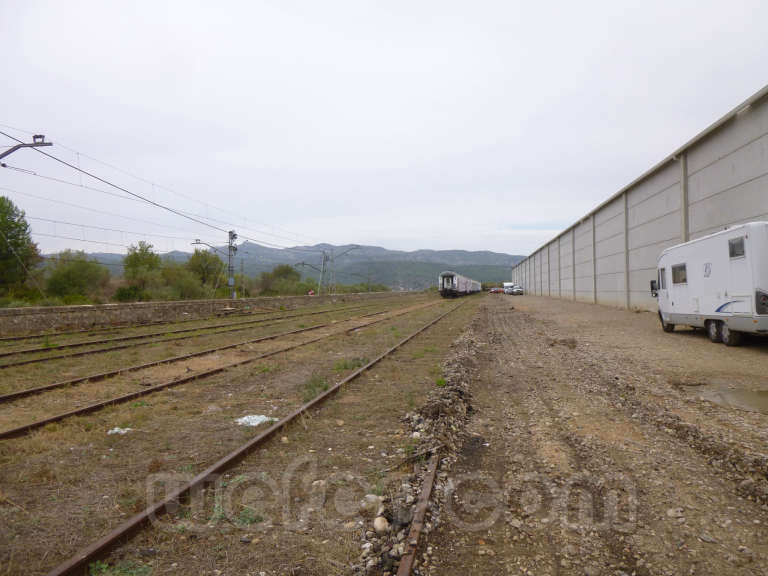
[586, 454]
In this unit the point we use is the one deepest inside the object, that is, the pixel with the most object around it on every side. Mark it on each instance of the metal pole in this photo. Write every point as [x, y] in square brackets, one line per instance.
[322, 274]
[230, 266]
[333, 271]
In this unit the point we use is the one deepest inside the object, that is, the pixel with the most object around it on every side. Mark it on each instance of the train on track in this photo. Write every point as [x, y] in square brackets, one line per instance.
[452, 284]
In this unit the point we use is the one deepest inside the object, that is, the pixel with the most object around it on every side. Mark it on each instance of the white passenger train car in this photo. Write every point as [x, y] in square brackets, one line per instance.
[452, 284]
[718, 282]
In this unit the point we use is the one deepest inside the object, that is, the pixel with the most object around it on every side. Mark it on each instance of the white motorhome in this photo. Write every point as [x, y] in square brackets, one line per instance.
[717, 282]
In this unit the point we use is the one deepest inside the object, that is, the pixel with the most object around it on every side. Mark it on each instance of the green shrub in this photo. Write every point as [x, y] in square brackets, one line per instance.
[181, 283]
[76, 279]
[130, 294]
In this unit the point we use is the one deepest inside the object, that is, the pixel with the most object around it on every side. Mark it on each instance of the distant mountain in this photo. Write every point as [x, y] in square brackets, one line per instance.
[407, 275]
[354, 264]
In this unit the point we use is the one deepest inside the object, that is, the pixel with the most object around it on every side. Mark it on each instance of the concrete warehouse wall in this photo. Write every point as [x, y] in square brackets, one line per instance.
[717, 179]
[33, 320]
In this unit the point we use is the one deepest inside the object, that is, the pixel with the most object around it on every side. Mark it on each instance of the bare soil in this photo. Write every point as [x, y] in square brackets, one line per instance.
[586, 455]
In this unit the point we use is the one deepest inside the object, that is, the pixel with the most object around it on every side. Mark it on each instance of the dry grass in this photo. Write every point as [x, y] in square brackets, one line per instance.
[57, 370]
[76, 482]
[340, 444]
[53, 340]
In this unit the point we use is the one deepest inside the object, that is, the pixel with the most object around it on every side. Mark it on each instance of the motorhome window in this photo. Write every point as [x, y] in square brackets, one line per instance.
[736, 247]
[662, 279]
[679, 274]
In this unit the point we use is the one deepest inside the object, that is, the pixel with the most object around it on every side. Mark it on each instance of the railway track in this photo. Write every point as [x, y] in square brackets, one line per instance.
[79, 561]
[104, 375]
[186, 334]
[23, 429]
[417, 524]
[254, 310]
[231, 326]
[123, 370]
[117, 328]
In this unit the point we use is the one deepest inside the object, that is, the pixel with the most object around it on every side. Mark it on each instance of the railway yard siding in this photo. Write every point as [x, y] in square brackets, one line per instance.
[17, 321]
[717, 179]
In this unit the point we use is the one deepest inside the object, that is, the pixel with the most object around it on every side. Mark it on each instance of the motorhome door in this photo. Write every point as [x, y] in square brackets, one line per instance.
[739, 297]
[663, 292]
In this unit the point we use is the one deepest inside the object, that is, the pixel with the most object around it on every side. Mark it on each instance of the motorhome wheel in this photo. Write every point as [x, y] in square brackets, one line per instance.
[713, 330]
[666, 326]
[730, 337]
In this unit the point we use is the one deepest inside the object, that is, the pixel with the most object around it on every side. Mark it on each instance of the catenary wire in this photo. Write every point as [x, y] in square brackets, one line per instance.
[88, 208]
[117, 187]
[133, 233]
[60, 258]
[80, 239]
[295, 235]
[193, 216]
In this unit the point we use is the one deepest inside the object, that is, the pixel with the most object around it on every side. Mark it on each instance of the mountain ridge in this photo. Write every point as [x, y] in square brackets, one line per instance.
[399, 269]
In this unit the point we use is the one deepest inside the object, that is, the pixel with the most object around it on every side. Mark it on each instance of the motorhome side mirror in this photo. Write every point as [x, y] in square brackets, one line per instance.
[654, 288]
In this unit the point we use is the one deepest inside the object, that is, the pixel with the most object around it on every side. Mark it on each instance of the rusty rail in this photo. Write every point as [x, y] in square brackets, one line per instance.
[117, 327]
[238, 327]
[417, 524]
[25, 428]
[5, 353]
[104, 375]
[130, 526]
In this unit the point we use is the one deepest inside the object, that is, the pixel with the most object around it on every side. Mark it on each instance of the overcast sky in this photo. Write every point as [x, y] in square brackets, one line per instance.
[413, 124]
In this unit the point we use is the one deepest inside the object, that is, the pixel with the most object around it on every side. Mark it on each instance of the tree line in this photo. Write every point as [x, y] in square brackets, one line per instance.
[72, 277]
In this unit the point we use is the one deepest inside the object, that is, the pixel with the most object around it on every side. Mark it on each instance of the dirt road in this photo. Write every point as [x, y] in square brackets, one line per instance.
[593, 449]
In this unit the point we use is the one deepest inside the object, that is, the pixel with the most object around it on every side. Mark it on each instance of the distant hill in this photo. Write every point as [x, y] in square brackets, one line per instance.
[398, 269]
[416, 275]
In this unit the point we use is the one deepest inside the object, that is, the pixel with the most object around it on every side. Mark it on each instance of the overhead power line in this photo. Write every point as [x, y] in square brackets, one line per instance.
[80, 239]
[191, 215]
[295, 235]
[24, 266]
[187, 238]
[193, 218]
[60, 258]
[89, 209]
[79, 185]
[75, 184]
[117, 187]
